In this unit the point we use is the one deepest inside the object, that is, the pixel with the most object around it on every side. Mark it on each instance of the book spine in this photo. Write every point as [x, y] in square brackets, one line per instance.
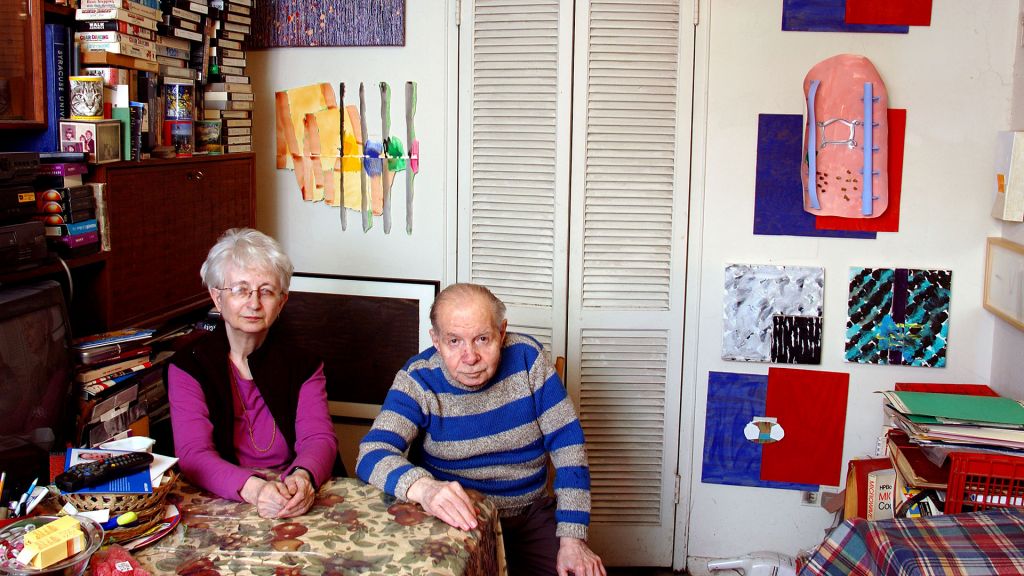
[118, 337]
[116, 26]
[126, 48]
[172, 52]
[112, 377]
[73, 241]
[113, 36]
[129, 5]
[62, 49]
[117, 14]
[93, 390]
[63, 169]
[185, 14]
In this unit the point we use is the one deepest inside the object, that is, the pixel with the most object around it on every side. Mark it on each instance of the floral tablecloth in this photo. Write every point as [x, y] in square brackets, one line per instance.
[352, 528]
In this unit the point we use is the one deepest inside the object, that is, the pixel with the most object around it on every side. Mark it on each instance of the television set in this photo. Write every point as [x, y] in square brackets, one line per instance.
[35, 380]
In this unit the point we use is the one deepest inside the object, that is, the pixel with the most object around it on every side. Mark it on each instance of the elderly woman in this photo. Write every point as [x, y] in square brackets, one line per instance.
[243, 398]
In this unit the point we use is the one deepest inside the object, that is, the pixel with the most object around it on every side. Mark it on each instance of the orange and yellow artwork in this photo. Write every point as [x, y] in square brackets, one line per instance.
[336, 158]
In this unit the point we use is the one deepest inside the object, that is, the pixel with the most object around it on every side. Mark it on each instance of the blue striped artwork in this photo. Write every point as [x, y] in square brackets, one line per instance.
[898, 316]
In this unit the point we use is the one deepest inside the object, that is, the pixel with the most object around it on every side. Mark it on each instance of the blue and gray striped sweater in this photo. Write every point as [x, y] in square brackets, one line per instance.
[494, 439]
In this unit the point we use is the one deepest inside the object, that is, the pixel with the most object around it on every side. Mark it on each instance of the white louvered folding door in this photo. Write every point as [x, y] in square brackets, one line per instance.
[514, 158]
[629, 199]
[592, 264]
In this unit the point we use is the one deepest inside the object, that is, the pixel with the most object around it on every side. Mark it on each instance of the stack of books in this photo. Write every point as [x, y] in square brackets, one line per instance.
[120, 375]
[112, 368]
[118, 33]
[228, 95]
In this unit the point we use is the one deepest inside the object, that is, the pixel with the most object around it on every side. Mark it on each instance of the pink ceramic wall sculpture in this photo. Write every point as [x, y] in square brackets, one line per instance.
[846, 161]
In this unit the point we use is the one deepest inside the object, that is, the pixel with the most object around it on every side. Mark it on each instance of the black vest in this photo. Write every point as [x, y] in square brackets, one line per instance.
[278, 372]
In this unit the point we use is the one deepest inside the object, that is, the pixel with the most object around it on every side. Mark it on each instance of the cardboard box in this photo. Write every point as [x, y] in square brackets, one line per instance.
[101, 139]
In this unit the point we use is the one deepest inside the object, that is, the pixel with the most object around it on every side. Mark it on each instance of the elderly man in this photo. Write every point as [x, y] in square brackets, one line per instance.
[488, 409]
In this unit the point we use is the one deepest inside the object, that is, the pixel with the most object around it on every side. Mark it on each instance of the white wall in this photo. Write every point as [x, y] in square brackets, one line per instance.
[1007, 361]
[954, 78]
[311, 232]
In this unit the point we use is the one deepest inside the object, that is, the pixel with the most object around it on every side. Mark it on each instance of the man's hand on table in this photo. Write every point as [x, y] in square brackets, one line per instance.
[447, 501]
[575, 557]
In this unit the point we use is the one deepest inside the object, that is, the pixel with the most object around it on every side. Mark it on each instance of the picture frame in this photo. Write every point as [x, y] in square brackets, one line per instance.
[1004, 280]
[365, 330]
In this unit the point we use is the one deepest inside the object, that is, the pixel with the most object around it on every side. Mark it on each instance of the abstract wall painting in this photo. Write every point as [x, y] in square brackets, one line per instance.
[735, 402]
[898, 316]
[337, 159]
[773, 313]
[302, 23]
[845, 155]
[778, 191]
[827, 16]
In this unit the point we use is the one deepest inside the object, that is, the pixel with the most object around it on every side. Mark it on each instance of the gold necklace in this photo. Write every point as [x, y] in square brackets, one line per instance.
[245, 413]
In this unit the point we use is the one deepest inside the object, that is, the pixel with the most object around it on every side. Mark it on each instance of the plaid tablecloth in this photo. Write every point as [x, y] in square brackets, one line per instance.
[979, 543]
[352, 529]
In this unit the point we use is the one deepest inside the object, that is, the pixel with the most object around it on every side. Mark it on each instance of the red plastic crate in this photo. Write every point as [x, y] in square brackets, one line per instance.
[983, 481]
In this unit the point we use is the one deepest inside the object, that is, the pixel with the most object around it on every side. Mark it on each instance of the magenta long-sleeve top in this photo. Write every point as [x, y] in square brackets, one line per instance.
[315, 443]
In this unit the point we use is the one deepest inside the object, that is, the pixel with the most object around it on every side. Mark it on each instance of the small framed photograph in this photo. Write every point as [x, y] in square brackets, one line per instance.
[1004, 280]
[100, 139]
[364, 329]
[108, 142]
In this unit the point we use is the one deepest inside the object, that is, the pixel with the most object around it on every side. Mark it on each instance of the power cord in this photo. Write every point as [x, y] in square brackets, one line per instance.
[71, 282]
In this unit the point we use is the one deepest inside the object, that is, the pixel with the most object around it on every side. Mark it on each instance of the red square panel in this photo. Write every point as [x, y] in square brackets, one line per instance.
[810, 405]
[890, 12]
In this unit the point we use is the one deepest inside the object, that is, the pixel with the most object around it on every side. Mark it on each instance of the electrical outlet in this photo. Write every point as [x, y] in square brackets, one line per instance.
[809, 498]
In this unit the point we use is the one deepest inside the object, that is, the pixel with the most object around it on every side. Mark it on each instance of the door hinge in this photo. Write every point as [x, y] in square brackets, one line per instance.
[675, 499]
[696, 12]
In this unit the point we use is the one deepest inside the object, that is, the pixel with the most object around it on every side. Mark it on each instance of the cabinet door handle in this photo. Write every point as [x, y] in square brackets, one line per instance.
[195, 175]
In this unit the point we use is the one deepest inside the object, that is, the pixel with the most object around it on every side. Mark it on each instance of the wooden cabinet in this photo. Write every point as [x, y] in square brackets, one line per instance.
[22, 80]
[164, 215]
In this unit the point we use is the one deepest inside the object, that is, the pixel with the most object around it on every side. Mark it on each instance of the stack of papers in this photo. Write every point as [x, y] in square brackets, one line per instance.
[962, 419]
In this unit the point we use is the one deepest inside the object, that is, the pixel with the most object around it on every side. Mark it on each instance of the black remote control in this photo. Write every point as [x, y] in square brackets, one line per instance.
[89, 474]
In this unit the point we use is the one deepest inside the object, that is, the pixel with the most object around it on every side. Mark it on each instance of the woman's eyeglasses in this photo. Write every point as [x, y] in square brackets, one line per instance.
[242, 292]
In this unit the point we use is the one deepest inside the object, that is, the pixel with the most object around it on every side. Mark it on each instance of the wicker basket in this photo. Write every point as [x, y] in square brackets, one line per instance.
[148, 507]
[122, 503]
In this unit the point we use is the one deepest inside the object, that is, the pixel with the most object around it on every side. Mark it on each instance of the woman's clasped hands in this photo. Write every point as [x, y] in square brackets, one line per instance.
[280, 499]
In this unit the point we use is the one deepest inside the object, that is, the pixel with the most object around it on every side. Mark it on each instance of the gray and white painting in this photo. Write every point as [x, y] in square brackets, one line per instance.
[773, 313]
